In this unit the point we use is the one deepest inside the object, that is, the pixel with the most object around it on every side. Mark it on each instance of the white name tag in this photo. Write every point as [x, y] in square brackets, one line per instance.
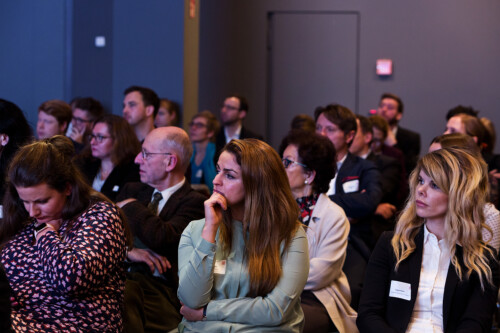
[400, 290]
[199, 173]
[1, 212]
[351, 186]
[116, 188]
[220, 267]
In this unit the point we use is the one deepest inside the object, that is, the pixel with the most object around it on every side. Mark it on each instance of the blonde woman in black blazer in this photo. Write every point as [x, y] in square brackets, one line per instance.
[448, 189]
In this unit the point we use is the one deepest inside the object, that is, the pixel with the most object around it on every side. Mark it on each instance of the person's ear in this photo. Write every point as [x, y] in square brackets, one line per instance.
[67, 190]
[171, 162]
[399, 116]
[310, 175]
[63, 127]
[150, 110]
[4, 140]
[368, 138]
[242, 114]
[350, 136]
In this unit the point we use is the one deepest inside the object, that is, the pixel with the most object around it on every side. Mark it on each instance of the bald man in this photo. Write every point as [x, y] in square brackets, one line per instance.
[157, 222]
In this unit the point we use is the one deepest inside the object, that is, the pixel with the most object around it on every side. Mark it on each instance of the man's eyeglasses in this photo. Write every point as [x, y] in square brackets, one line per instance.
[146, 155]
[287, 162]
[229, 107]
[98, 137]
[81, 120]
[197, 125]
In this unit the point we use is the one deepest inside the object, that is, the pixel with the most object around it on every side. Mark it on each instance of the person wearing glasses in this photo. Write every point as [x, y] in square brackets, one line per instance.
[158, 209]
[202, 130]
[108, 162]
[233, 111]
[85, 111]
[309, 160]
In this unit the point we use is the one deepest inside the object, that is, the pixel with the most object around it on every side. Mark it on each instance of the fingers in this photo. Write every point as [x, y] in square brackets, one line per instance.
[160, 262]
[216, 199]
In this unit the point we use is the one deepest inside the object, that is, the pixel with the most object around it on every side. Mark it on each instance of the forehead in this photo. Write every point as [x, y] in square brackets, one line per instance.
[133, 96]
[201, 119]
[455, 122]
[101, 128]
[233, 101]
[323, 121]
[44, 115]
[291, 150]
[34, 192]
[228, 161]
[80, 113]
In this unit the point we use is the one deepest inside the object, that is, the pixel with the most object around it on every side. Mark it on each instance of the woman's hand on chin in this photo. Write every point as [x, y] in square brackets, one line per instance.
[213, 215]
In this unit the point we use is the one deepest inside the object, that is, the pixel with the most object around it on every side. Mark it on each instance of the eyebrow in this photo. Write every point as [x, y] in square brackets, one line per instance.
[226, 170]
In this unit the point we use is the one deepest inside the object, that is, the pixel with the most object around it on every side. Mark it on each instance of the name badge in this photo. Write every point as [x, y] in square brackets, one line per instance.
[199, 173]
[400, 290]
[116, 188]
[1, 212]
[220, 267]
[351, 186]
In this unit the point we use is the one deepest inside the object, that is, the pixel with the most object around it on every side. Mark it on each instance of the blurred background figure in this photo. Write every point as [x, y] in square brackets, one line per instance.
[310, 163]
[54, 117]
[14, 133]
[108, 163]
[303, 122]
[168, 113]
[202, 130]
[85, 111]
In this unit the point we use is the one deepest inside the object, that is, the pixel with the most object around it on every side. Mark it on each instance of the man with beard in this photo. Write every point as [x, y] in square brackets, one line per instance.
[232, 113]
[391, 108]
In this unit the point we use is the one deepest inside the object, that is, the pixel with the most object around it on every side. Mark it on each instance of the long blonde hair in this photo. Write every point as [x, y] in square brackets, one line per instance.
[270, 215]
[463, 178]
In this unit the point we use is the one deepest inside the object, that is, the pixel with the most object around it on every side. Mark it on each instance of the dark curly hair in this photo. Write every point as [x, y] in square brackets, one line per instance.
[315, 151]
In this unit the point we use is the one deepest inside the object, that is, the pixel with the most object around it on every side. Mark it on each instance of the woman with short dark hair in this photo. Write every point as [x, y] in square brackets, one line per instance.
[310, 164]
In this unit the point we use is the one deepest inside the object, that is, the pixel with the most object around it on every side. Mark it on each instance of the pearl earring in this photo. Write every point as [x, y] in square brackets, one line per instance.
[306, 182]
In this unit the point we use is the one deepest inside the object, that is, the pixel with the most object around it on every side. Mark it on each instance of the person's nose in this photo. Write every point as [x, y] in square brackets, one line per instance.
[217, 179]
[138, 159]
[421, 190]
[33, 210]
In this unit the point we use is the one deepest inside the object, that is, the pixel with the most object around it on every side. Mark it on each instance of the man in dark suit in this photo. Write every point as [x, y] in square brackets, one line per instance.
[356, 187]
[233, 111]
[391, 108]
[390, 172]
[158, 209]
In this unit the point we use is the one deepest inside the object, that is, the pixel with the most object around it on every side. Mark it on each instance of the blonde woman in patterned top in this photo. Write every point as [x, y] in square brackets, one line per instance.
[62, 245]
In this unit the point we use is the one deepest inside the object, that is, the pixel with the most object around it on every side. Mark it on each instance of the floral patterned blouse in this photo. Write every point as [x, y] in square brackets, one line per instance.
[74, 284]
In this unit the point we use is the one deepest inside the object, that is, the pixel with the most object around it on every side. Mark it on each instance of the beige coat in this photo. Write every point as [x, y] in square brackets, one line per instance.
[327, 235]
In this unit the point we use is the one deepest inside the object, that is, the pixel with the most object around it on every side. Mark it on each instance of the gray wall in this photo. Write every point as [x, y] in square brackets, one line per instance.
[48, 50]
[444, 53]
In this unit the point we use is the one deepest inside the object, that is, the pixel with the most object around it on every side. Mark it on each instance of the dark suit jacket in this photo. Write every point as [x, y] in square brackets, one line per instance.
[162, 233]
[362, 202]
[466, 308]
[409, 144]
[390, 176]
[126, 172]
[220, 140]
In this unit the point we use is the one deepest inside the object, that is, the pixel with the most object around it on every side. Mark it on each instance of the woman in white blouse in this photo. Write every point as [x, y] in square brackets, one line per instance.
[435, 273]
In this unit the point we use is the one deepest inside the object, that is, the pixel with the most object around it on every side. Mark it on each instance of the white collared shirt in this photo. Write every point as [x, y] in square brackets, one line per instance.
[427, 314]
[333, 182]
[236, 135]
[167, 193]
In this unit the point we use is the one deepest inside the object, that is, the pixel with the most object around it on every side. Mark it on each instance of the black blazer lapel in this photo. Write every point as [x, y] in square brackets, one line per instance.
[450, 287]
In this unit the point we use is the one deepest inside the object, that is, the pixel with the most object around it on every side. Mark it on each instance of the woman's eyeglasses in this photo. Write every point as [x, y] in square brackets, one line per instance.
[287, 162]
[99, 138]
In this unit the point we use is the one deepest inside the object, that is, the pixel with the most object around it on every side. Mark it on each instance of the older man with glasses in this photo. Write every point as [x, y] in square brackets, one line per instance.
[158, 209]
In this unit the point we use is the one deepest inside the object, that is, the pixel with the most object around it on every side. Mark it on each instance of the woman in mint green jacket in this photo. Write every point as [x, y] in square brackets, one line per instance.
[245, 265]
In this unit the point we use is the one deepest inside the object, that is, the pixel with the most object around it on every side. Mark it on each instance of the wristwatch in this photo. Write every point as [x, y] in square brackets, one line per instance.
[204, 313]
[40, 227]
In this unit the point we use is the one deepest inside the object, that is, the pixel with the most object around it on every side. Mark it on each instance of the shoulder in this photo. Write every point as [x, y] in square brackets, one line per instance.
[325, 206]
[408, 133]
[186, 192]
[101, 207]
[248, 134]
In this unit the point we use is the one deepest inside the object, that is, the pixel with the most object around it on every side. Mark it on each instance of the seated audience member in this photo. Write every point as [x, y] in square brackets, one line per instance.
[466, 124]
[461, 109]
[390, 176]
[140, 106]
[303, 122]
[158, 209]
[5, 306]
[356, 186]
[391, 109]
[309, 161]
[63, 245]
[54, 117]
[85, 112]
[14, 133]
[491, 214]
[434, 273]
[202, 130]
[168, 113]
[243, 267]
[232, 113]
[108, 163]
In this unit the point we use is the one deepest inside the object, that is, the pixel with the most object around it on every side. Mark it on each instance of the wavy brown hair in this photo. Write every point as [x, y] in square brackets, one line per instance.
[463, 177]
[270, 215]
